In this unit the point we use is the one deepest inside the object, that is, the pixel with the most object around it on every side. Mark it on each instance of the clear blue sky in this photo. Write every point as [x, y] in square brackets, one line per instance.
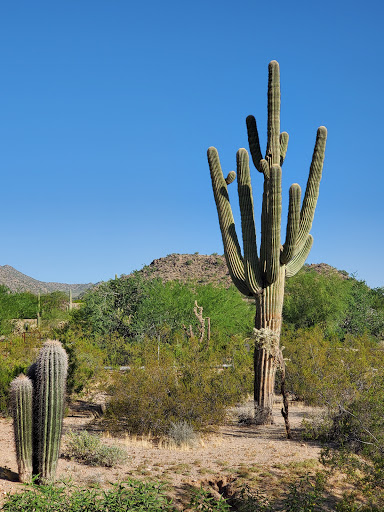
[107, 109]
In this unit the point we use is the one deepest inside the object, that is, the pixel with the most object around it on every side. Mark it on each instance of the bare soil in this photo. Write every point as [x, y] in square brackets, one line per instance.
[233, 454]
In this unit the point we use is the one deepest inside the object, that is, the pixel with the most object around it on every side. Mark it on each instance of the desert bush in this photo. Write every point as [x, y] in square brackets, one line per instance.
[365, 475]
[249, 500]
[182, 433]
[89, 449]
[352, 422]
[150, 397]
[357, 426]
[307, 495]
[327, 372]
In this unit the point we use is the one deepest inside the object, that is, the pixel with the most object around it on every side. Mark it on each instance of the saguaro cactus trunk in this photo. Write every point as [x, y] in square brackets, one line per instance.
[50, 380]
[262, 274]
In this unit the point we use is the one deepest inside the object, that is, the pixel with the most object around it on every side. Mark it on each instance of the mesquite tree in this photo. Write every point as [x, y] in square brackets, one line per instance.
[262, 275]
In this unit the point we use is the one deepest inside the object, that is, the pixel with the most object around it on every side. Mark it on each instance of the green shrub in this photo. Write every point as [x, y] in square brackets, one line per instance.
[249, 500]
[88, 448]
[150, 397]
[327, 372]
[202, 500]
[132, 496]
[365, 476]
[136, 307]
[16, 355]
[357, 426]
[306, 495]
[337, 305]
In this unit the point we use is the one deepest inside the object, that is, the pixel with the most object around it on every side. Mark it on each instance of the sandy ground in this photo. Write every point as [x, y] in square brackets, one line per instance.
[234, 451]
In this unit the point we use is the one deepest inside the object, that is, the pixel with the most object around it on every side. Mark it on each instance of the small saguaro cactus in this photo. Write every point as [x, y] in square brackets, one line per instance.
[262, 275]
[21, 392]
[50, 386]
[38, 315]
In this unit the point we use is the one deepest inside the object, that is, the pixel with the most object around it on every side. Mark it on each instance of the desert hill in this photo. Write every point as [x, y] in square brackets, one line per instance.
[208, 269]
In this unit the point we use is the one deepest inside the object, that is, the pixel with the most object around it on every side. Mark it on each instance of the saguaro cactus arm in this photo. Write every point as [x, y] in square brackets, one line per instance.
[293, 224]
[252, 268]
[273, 146]
[254, 143]
[298, 261]
[227, 224]
[312, 191]
[284, 138]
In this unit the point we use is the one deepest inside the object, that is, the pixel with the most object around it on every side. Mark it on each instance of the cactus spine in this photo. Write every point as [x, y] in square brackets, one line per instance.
[262, 275]
[21, 402]
[50, 381]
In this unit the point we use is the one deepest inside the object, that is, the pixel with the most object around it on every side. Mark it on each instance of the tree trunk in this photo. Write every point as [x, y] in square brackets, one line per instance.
[269, 306]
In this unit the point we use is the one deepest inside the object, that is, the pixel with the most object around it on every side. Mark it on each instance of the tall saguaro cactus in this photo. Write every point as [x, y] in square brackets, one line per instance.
[261, 274]
[50, 382]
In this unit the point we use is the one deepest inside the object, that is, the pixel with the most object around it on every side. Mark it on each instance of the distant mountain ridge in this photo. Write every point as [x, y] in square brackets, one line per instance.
[18, 282]
[182, 267]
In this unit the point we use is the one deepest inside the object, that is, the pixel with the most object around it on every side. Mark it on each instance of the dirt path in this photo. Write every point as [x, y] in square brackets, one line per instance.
[233, 452]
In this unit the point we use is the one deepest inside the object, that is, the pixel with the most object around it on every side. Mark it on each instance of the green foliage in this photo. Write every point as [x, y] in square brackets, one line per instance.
[347, 380]
[365, 312]
[191, 388]
[16, 355]
[306, 495]
[313, 299]
[20, 305]
[337, 305]
[86, 360]
[202, 500]
[358, 426]
[89, 449]
[13, 306]
[252, 501]
[53, 301]
[131, 495]
[328, 372]
[134, 307]
[366, 477]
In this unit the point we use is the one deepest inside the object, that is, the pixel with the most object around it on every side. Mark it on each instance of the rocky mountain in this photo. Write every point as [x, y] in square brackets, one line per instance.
[208, 269]
[18, 282]
[186, 267]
